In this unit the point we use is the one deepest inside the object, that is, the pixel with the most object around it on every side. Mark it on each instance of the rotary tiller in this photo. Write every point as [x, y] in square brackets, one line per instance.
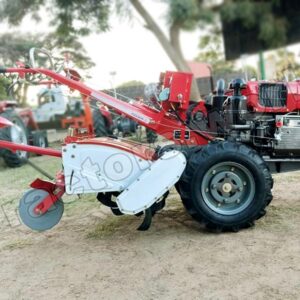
[220, 159]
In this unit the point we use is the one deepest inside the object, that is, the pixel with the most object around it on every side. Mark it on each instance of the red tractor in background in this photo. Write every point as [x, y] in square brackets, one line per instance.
[30, 125]
[25, 131]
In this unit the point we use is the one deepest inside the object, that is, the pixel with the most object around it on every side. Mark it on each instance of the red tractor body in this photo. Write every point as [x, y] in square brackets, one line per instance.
[218, 160]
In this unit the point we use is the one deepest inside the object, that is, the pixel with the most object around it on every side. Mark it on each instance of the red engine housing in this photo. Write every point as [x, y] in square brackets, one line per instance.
[272, 97]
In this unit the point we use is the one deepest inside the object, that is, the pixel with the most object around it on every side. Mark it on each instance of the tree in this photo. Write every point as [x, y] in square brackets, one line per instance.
[287, 66]
[81, 17]
[131, 83]
[15, 47]
[258, 14]
[182, 15]
[4, 84]
[211, 51]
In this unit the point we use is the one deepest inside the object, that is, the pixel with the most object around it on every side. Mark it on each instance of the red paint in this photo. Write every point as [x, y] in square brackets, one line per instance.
[5, 123]
[293, 97]
[38, 150]
[161, 122]
[55, 190]
[128, 146]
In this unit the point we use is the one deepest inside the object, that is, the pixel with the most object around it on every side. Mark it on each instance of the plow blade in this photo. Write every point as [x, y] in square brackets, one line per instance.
[160, 177]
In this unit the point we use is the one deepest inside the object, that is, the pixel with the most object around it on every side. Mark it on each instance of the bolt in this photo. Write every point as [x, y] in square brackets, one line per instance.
[64, 150]
[219, 204]
[74, 146]
[232, 169]
[72, 156]
[206, 190]
[245, 183]
[214, 172]
[238, 201]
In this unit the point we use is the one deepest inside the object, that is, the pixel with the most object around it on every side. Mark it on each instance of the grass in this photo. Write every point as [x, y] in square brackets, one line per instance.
[110, 226]
[17, 244]
[14, 181]
[280, 218]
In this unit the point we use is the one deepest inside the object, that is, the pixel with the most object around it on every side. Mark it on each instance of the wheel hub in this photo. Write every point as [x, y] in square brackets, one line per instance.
[19, 136]
[228, 187]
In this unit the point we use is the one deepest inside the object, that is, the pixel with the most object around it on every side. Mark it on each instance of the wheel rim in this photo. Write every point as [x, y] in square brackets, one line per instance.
[19, 136]
[228, 188]
[42, 142]
[34, 221]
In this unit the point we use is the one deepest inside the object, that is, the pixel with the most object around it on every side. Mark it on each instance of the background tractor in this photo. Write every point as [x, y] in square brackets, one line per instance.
[25, 130]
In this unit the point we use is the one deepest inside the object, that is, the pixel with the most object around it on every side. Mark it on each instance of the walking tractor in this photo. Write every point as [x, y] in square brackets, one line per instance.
[220, 160]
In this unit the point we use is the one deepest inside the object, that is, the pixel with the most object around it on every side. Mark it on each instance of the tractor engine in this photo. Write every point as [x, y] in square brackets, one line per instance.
[264, 115]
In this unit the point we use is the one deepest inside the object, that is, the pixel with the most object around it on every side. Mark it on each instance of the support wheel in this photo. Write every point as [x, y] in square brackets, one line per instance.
[39, 222]
[226, 185]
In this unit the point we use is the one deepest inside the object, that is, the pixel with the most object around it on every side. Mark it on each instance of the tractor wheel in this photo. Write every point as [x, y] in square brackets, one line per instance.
[40, 139]
[100, 128]
[151, 136]
[17, 134]
[226, 186]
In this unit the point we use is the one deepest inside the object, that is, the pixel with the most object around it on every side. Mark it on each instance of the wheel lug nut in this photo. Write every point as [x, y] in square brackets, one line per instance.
[219, 204]
[232, 169]
[245, 183]
[214, 172]
[206, 190]
[238, 201]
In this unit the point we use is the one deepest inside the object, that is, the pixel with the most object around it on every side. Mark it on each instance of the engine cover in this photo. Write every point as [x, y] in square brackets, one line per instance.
[98, 167]
[287, 135]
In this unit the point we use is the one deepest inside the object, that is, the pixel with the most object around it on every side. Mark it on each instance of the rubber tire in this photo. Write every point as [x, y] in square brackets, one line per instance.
[100, 128]
[10, 158]
[151, 136]
[201, 161]
[37, 139]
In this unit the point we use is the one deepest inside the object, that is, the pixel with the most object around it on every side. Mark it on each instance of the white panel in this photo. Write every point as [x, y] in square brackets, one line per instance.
[96, 168]
[152, 183]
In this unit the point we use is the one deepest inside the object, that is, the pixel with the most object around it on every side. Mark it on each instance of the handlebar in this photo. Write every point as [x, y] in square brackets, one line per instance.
[34, 51]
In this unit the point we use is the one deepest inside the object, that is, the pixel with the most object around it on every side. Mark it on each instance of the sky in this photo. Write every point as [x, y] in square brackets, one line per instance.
[128, 49]
[132, 51]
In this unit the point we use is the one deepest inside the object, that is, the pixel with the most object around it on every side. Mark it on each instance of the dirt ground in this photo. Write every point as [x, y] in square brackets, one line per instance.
[94, 255]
